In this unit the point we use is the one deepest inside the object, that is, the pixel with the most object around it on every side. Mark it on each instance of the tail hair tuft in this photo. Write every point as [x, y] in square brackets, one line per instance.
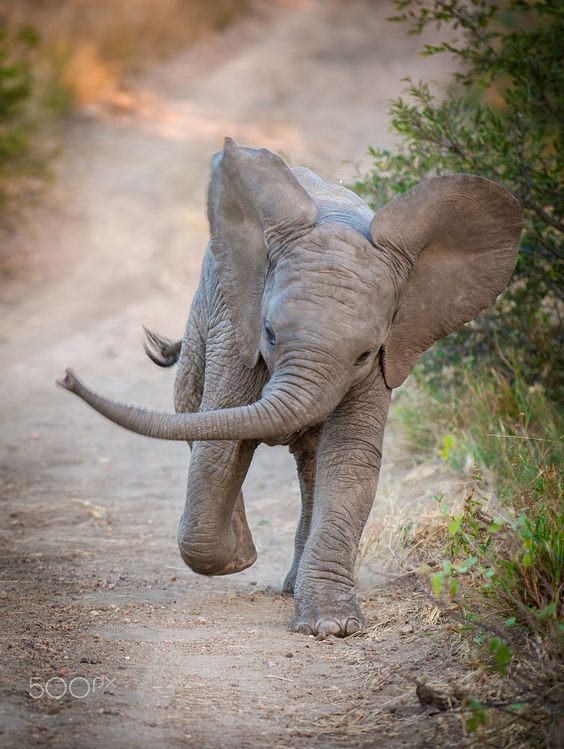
[160, 350]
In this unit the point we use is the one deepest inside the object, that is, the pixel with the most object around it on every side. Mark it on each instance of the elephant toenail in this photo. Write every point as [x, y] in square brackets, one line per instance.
[304, 629]
[328, 627]
[352, 625]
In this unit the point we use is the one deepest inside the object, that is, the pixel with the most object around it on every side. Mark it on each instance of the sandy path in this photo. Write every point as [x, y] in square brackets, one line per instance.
[92, 585]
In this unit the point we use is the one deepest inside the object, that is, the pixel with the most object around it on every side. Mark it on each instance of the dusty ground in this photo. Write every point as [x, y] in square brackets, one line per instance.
[92, 587]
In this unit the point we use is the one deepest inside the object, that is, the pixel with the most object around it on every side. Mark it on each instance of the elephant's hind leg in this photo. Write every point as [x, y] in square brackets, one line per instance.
[189, 384]
[305, 455]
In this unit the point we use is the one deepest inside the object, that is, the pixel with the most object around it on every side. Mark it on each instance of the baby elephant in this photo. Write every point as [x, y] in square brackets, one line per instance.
[310, 309]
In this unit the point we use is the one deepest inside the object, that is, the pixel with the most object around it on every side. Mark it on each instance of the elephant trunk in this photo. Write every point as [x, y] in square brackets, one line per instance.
[290, 403]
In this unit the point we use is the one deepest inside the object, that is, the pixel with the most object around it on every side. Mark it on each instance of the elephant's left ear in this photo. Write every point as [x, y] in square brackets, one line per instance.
[460, 235]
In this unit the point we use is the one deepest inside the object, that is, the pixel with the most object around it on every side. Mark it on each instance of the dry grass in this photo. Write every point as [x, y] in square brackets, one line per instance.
[436, 683]
[409, 530]
[413, 537]
[87, 47]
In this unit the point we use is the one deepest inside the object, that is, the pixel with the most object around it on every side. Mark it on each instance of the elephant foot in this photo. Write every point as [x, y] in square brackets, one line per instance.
[222, 552]
[330, 614]
[201, 560]
[239, 562]
[244, 553]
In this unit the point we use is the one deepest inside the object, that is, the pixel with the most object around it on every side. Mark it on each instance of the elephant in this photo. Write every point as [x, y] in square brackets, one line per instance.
[311, 309]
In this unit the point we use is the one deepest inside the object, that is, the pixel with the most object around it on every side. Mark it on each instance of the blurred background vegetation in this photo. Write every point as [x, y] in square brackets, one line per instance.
[56, 55]
[488, 398]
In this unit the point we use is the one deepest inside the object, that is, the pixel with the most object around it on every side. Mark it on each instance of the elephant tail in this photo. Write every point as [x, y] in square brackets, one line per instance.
[162, 351]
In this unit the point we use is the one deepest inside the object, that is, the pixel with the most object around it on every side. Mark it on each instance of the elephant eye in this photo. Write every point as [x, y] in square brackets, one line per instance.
[363, 357]
[269, 333]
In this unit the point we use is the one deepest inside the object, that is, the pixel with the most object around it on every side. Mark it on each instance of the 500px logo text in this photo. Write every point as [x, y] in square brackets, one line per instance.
[78, 687]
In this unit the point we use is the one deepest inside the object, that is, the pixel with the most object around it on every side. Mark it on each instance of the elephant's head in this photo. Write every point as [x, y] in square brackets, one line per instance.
[324, 290]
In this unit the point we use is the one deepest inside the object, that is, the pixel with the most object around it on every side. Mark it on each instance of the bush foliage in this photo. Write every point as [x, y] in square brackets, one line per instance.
[16, 88]
[502, 119]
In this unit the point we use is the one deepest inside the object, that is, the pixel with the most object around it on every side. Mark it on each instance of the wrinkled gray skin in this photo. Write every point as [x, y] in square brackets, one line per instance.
[309, 311]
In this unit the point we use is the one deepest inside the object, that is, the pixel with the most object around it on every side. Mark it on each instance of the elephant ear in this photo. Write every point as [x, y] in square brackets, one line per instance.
[460, 235]
[252, 195]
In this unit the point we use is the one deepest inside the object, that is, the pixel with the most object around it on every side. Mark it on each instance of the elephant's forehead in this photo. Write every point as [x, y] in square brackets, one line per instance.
[325, 320]
[339, 263]
[333, 244]
[336, 298]
[303, 286]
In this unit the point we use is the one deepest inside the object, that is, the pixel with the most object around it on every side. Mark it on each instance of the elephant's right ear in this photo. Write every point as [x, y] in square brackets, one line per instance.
[251, 192]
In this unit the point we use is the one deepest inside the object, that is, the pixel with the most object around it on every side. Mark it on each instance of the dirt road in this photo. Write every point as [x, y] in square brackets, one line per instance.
[94, 597]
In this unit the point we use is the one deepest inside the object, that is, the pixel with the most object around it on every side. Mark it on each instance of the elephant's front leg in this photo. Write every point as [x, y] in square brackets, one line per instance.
[213, 534]
[348, 464]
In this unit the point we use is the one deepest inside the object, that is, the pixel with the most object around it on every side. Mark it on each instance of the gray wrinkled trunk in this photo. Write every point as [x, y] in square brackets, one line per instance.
[290, 403]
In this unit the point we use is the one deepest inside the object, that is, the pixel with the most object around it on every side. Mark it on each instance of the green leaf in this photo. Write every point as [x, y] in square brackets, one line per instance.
[29, 35]
[547, 612]
[465, 566]
[501, 652]
[494, 644]
[472, 723]
[478, 715]
[437, 583]
[502, 658]
[448, 444]
[495, 526]
[454, 527]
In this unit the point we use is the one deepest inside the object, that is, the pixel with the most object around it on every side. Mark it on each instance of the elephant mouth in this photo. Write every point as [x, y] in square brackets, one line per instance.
[286, 439]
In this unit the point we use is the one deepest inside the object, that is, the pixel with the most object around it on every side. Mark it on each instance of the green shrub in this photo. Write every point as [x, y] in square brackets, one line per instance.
[16, 88]
[502, 567]
[502, 119]
[508, 437]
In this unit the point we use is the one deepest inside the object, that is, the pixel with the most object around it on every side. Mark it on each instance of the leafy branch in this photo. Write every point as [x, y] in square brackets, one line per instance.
[500, 119]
